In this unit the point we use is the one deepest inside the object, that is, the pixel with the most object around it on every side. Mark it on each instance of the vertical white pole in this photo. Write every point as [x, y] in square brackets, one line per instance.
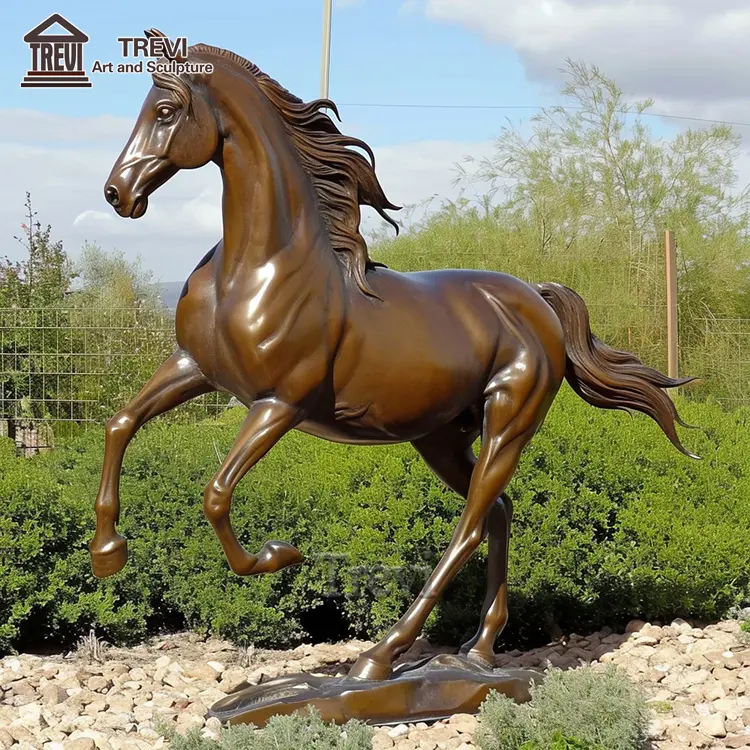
[326, 61]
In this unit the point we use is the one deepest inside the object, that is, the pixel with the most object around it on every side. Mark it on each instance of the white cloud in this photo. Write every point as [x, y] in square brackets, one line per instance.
[64, 162]
[691, 56]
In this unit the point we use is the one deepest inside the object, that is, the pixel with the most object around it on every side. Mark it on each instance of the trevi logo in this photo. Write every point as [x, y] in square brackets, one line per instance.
[56, 59]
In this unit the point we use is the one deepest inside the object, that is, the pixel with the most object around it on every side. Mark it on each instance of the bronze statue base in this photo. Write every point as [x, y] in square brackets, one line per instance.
[429, 690]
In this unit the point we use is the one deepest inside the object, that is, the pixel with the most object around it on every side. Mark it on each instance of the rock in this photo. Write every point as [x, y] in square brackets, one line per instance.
[400, 730]
[96, 708]
[642, 652]
[463, 723]
[713, 726]
[111, 720]
[738, 740]
[696, 678]
[98, 683]
[173, 680]
[681, 626]
[713, 690]
[203, 672]
[689, 738]
[382, 741]
[163, 662]
[52, 694]
[22, 687]
[635, 626]
[231, 679]
[6, 739]
[728, 707]
[657, 730]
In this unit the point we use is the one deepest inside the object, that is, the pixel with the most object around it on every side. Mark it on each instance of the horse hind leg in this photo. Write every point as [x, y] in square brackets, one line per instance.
[481, 647]
[449, 454]
[516, 402]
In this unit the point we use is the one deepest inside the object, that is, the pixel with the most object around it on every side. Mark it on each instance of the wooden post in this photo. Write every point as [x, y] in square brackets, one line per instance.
[671, 305]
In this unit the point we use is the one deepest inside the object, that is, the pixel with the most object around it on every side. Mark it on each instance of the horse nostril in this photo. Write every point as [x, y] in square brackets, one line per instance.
[112, 196]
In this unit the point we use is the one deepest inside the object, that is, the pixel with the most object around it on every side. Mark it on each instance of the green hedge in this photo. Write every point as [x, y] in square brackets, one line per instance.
[611, 523]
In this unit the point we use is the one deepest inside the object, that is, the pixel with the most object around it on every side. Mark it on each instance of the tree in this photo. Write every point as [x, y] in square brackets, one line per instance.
[109, 280]
[593, 165]
[43, 278]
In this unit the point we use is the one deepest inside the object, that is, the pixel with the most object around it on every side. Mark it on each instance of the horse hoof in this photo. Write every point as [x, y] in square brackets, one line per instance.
[109, 557]
[478, 657]
[366, 668]
[276, 556]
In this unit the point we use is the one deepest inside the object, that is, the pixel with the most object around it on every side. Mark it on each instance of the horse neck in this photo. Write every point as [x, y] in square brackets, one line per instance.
[268, 204]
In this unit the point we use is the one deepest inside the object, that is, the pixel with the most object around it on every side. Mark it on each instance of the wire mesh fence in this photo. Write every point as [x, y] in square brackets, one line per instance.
[719, 354]
[63, 370]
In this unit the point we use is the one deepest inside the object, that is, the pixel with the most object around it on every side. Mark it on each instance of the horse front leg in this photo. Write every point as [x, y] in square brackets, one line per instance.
[268, 420]
[176, 381]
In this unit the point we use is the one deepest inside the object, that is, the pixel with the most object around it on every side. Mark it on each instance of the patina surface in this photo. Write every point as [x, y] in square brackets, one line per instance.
[289, 314]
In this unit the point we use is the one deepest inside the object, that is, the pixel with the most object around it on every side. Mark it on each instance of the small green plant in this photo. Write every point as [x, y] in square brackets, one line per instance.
[743, 617]
[582, 709]
[560, 742]
[294, 732]
[661, 707]
[92, 648]
[245, 655]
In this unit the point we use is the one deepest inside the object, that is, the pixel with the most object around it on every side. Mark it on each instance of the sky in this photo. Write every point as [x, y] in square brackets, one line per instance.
[425, 82]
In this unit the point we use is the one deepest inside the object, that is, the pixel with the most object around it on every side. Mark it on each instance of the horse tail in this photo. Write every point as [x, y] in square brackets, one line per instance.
[608, 378]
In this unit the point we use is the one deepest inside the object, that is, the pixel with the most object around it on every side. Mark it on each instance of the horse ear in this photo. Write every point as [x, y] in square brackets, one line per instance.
[151, 33]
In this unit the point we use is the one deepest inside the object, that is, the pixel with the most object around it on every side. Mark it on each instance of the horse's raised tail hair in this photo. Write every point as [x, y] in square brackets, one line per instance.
[608, 378]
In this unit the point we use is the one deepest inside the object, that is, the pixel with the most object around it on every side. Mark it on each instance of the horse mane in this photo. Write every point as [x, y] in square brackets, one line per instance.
[343, 179]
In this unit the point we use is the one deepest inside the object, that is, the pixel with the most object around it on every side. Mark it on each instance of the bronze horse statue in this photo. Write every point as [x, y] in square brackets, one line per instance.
[288, 313]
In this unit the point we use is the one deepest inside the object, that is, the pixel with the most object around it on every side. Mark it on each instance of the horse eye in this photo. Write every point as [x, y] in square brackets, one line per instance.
[165, 113]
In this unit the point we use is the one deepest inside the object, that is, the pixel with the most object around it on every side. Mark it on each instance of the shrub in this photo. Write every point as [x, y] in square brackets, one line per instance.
[292, 732]
[610, 523]
[581, 709]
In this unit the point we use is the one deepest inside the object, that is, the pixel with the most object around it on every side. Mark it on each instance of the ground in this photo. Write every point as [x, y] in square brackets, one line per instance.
[698, 678]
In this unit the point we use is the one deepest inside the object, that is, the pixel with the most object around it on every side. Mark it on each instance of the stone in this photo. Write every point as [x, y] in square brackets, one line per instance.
[95, 708]
[713, 690]
[52, 694]
[713, 726]
[400, 730]
[203, 672]
[6, 739]
[463, 723]
[231, 679]
[98, 683]
[689, 738]
[738, 740]
[681, 626]
[173, 680]
[728, 707]
[635, 626]
[22, 687]
[382, 741]
[696, 678]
